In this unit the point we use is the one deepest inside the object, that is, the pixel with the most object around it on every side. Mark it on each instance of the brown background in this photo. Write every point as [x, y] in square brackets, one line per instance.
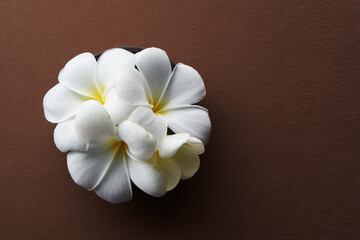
[283, 91]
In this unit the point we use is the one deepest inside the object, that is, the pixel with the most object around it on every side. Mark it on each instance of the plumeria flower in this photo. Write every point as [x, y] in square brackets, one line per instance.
[117, 154]
[83, 79]
[170, 94]
[113, 115]
[177, 158]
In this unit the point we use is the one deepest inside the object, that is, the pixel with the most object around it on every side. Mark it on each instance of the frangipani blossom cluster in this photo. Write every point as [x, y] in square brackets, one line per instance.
[113, 117]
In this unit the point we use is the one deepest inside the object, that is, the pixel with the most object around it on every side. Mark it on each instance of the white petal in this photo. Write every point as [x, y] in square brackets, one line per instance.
[141, 143]
[196, 144]
[171, 171]
[147, 177]
[130, 86]
[88, 168]
[153, 160]
[93, 123]
[115, 187]
[118, 109]
[172, 143]
[190, 119]
[61, 103]
[109, 62]
[155, 65]
[66, 139]
[152, 123]
[79, 75]
[188, 161]
[185, 87]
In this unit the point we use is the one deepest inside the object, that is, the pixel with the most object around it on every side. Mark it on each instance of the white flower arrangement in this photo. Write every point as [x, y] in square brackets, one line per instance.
[113, 117]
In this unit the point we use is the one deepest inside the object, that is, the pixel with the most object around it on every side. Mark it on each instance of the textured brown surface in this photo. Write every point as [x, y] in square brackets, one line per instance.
[283, 91]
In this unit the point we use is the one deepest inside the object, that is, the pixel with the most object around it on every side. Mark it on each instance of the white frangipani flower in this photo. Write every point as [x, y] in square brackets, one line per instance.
[83, 79]
[177, 158]
[113, 116]
[116, 154]
[170, 94]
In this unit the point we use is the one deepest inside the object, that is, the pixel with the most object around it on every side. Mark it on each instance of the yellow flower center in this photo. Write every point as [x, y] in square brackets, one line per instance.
[158, 108]
[98, 95]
